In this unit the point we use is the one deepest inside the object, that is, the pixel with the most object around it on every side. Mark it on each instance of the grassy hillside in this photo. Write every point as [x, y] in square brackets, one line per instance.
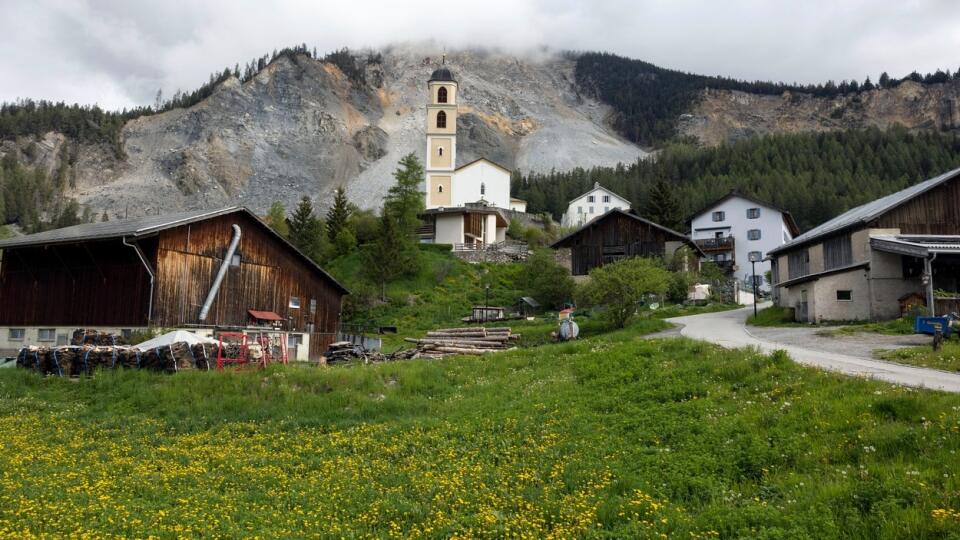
[610, 437]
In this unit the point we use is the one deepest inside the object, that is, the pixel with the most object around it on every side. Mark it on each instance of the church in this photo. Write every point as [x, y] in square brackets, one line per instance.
[466, 206]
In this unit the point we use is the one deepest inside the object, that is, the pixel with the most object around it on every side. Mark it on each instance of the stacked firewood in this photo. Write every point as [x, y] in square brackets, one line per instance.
[73, 361]
[474, 340]
[85, 336]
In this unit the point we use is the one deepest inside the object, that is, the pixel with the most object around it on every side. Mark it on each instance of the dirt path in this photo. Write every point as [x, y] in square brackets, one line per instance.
[851, 355]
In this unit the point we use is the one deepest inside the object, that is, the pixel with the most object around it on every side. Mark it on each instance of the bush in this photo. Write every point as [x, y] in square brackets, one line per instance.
[621, 285]
[546, 280]
[680, 283]
[439, 248]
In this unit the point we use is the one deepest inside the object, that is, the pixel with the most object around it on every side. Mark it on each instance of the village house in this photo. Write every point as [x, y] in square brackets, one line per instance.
[618, 234]
[599, 200]
[466, 206]
[738, 228]
[199, 271]
[866, 263]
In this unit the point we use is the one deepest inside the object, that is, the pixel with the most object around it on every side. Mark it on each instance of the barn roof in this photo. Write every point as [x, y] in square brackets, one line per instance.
[616, 211]
[870, 211]
[143, 227]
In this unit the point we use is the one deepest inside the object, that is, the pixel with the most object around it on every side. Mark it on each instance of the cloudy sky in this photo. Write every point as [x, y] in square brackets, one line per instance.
[119, 52]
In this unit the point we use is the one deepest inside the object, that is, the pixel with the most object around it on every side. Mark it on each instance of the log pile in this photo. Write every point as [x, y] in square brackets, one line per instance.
[73, 360]
[85, 336]
[475, 340]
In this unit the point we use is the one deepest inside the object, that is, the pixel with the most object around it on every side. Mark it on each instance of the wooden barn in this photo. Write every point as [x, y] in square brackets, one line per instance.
[618, 234]
[162, 271]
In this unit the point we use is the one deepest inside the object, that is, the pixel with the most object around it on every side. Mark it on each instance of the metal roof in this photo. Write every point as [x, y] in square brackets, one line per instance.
[868, 212]
[442, 74]
[916, 245]
[145, 226]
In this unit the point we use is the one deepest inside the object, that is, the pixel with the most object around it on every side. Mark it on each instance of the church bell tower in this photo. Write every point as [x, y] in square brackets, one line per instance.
[441, 138]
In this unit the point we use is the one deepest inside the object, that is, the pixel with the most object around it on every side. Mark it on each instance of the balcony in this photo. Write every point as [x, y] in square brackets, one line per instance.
[709, 245]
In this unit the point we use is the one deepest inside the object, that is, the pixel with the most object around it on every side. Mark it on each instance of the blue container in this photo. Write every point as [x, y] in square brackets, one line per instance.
[930, 325]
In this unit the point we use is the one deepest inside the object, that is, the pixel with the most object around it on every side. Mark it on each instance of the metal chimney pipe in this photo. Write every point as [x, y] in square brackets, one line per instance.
[205, 310]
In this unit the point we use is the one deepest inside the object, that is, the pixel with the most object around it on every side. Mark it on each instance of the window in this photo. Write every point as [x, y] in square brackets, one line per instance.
[753, 234]
[844, 296]
[442, 95]
[313, 306]
[483, 188]
[719, 216]
[755, 256]
[235, 260]
[591, 209]
[439, 189]
[441, 119]
[606, 198]
[753, 213]
[606, 208]
[47, 334]
[440, 151]
[62, 340]
[16, 334]
[294, 302]
[718, 234]
[294, 340]
[579, 209]
[590, 198]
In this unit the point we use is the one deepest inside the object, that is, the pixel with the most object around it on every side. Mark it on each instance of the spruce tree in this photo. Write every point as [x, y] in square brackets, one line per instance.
[663, 207]
[338, 215]
[306, 231]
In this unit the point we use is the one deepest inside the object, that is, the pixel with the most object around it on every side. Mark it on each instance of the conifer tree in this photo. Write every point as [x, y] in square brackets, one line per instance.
[306, 231]
[663, 207]
[339, 214]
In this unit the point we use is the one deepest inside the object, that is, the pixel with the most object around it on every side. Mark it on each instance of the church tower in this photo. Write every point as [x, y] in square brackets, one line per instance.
[441, 138]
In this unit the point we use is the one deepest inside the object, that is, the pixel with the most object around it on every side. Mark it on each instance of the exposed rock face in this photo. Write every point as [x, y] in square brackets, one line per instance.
[302, 127]
[723, 115]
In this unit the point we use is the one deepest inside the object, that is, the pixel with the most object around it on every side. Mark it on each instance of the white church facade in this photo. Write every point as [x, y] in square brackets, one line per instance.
[465, 205]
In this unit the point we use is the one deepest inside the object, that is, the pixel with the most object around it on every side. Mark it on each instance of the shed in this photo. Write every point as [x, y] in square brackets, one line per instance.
[488, 313]
[527, 306]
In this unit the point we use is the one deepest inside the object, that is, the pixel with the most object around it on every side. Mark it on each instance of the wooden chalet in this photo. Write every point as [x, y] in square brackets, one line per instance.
[161, 271]
[618, 234]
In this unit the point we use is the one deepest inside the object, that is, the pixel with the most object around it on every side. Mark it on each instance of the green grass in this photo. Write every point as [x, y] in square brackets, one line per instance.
[670, 311]
[947, 358]
[616, 436]
[774, 316]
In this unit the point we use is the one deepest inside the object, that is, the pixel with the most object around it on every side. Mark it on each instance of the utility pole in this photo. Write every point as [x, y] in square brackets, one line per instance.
[753, 277]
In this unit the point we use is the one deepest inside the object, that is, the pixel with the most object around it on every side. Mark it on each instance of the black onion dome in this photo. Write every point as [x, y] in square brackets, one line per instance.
[442, 74]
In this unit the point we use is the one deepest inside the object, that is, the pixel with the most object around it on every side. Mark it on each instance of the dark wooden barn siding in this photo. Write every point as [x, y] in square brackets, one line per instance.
[269, 275]
[613, 238]
[93, 283]
[935, 212]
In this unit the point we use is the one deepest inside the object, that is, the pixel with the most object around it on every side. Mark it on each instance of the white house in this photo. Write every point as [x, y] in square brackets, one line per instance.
[737, 228]
[598, 201]
[465, 205]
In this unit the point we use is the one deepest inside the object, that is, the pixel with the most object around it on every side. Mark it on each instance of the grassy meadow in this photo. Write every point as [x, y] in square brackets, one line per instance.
[947, 358]
[615, 436]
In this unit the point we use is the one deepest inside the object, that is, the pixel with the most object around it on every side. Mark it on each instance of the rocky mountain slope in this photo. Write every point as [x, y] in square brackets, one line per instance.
[723, 115]
[302, 127]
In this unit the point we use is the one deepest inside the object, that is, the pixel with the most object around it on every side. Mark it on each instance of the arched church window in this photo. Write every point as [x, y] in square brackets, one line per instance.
[442, 95]
[483, 188]
[439, 189]
[441, 119]
[440, 151]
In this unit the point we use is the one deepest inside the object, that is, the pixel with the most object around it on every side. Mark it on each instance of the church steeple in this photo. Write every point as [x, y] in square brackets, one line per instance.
[441, 136]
